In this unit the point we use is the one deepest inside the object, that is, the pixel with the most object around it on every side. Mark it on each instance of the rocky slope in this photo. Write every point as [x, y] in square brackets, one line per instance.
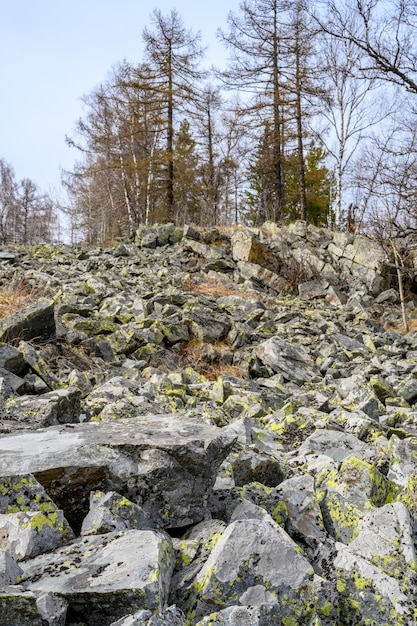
[208, 428]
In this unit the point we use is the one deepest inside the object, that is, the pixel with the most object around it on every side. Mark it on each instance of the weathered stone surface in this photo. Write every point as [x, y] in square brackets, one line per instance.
[111, 511]
[172, 616]
[131, 456]
[304, 513]
[103, 565]
[274, 334]
[19, 607]
[239, 569]
[34, 322]
[9, 570]
[61, 406]
[27, 534]
[292, 361]
[245, 247]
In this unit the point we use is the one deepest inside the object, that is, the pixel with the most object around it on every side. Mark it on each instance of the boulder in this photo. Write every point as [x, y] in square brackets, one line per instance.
[166, 464]
[292, 361]
[98, 579]
[33, 322]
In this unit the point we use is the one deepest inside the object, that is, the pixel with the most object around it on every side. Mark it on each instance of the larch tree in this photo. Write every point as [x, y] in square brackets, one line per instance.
[270, 44]
[174, 55]
[255, 43]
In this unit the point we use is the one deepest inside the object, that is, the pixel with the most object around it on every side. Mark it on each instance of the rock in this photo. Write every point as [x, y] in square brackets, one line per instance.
[19, 607]
[367, 593]
[282, 357]
[350, 492]
[305, 520]
[129, 456]
[27, 534]
[34, 360]
[254, 563]
[95, 574]
[336, 445]
[245, 247]
[110, 512]
[172, 616]
[11, 359]
[299, 506]
[9, 570]
[61, 406]
[34, 322]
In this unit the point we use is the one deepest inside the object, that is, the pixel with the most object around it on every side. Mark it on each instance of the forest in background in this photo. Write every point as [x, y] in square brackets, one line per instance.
[312, 118]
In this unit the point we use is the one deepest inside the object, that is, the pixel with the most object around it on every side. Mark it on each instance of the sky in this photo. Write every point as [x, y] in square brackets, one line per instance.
[53, 52]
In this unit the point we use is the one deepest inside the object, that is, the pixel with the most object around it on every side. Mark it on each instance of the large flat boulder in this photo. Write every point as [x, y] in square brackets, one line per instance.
[165, 463]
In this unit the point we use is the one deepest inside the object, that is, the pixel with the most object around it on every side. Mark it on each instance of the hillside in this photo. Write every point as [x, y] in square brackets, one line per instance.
[207, 427]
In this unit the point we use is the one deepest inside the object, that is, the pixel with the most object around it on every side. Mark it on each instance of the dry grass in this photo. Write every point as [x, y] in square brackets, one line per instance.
[399, 327]
[212, 287]
[17, 297]
[209, 360]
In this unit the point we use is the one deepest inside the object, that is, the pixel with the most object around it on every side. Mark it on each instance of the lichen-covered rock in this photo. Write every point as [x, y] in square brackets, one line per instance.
[253, 563]
[356, 488]
[386, 540]
[34, 322]
[366, 592]
[335, 444]
[156, 341]
[165, 463]
[172, 616]
[291, 360]
[305, 518]
[245, 247]
[19, 607]
[97, 577]
[27, 534]
[61, 406]
[111, 511]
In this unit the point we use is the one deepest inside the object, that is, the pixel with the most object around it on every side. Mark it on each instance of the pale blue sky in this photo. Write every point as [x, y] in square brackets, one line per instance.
[52, 52]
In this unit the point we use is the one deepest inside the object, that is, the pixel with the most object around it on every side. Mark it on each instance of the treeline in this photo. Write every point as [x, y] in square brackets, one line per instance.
[27, 214]
[312, 117]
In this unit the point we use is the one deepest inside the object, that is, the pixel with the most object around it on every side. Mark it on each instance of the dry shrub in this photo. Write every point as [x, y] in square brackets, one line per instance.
[16, 297]
[209, 359]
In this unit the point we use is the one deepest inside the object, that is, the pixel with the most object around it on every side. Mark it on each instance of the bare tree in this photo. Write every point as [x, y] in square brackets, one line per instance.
[384, 31]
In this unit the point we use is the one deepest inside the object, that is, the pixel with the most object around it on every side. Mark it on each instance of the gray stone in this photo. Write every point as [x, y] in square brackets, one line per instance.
[9, 570]
[34, 322]
[172, 616]
[254, 563]
[336, 445]
[110, 512]
[96, 577]
[245, 247]
[305, 519]
[291, 360]
[28, 533]
[18, 607]
[11, 359]
[131, 456]
[61, 406]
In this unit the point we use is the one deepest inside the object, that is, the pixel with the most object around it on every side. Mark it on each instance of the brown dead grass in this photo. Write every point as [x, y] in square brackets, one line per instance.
[399, 327]
[15, 298]
[211, 287]
[208, 360]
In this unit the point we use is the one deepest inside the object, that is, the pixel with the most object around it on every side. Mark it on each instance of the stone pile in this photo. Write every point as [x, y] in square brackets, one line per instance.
[208, 428]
